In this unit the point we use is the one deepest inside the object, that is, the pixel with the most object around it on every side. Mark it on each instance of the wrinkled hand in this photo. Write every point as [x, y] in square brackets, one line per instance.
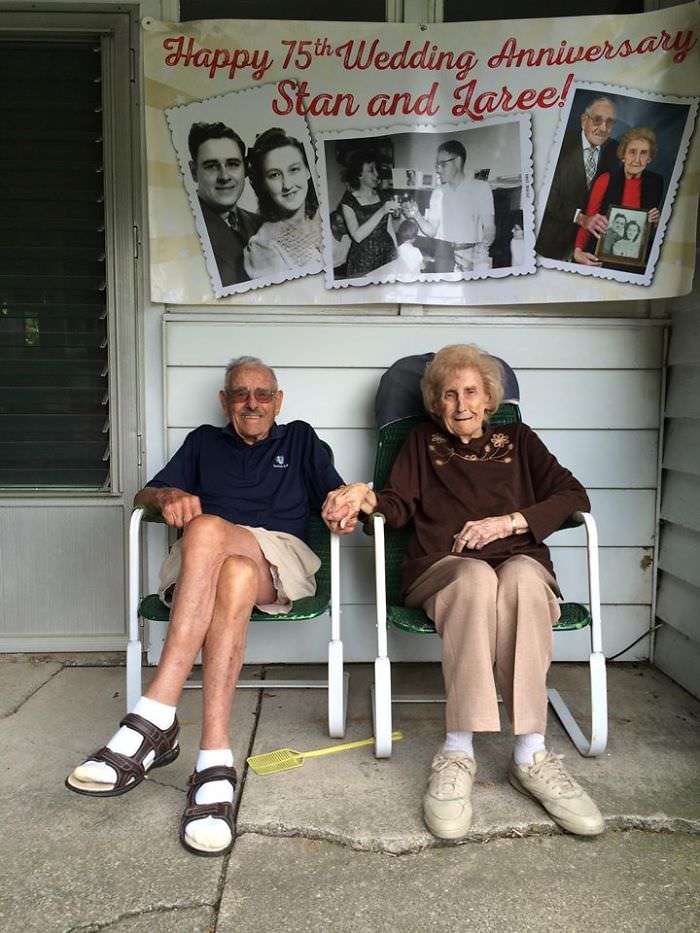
[585, 259]
[342, 506]
[597, 224]
[475, 535]
[178, 507]
[653, 215]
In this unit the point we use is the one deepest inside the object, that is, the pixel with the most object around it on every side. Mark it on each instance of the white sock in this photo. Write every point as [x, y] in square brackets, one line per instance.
[126, 741]
[210, 832]
[459, 742]
[526, 746]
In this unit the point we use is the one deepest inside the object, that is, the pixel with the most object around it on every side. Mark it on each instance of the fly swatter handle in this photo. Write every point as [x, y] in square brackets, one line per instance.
[346, 745]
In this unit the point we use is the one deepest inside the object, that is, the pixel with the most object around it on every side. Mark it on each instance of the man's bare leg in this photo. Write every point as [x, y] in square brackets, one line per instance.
[208, 543]
[239, 587]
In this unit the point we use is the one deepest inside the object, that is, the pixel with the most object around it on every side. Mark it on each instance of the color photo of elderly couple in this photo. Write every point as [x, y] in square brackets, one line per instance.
[430, 203]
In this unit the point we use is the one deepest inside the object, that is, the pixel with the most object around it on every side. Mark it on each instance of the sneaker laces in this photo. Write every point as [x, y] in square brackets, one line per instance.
[552, 772]
[450, 771]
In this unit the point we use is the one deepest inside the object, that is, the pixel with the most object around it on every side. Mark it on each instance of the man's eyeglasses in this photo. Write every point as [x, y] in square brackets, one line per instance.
[242, 394]
[441, 163]
[601, 121]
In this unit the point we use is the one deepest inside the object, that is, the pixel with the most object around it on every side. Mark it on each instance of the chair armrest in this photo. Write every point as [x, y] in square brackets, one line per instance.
[573, 521]
[150, 516]
[368, 522]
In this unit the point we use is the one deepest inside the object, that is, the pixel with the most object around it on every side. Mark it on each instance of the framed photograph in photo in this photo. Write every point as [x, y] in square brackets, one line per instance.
[626, 239]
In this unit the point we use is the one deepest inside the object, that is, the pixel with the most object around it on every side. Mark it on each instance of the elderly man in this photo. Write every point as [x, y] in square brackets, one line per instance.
[217, 163]
[242, 494]
[461, 213]
[585, 154]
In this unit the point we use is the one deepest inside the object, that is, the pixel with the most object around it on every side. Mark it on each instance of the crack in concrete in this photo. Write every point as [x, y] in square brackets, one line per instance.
[97, 926]
[34, 692]
[652, 824]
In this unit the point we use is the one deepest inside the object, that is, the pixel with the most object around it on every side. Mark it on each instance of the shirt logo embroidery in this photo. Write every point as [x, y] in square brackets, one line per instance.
[279, 463]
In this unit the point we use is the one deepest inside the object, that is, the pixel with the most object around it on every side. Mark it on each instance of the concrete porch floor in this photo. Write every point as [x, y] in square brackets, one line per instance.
[339, 844]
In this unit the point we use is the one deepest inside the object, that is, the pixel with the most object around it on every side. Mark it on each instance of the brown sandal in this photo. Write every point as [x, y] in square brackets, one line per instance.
[129, 768]
[222, 810]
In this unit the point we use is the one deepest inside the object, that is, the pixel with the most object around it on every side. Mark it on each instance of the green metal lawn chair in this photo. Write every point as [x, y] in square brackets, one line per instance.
[390, 546]
[325, 601]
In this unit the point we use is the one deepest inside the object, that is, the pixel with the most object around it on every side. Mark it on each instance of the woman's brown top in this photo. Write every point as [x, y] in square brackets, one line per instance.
[441, 483]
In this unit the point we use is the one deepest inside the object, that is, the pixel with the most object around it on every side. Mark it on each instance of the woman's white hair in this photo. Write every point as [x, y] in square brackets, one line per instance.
[462, 356]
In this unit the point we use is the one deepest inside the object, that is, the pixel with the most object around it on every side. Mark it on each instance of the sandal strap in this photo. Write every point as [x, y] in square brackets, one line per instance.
[215, 773]
[157, 740]
[223, 810]
[125, 767]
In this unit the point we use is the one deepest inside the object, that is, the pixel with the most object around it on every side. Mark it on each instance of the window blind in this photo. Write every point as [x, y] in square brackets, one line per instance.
[360, 11]
[54, 380]
[456, 11]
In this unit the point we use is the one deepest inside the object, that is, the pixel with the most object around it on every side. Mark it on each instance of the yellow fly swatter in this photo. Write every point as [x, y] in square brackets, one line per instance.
[284, 759]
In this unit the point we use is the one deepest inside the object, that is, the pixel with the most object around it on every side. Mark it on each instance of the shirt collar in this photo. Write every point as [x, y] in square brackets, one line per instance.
[276, 431]
[586, 144]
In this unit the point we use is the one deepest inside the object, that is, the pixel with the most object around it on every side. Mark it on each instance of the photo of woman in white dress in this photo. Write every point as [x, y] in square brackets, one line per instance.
[288, 242]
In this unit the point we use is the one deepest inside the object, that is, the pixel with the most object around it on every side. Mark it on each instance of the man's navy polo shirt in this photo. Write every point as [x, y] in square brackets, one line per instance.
[272, 484]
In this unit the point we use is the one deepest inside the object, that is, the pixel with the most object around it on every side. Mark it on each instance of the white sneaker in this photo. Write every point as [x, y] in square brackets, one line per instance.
[447, 808]
[561, 796]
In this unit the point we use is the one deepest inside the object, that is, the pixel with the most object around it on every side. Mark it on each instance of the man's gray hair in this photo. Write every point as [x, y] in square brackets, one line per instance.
[599, 100]
[240, 361]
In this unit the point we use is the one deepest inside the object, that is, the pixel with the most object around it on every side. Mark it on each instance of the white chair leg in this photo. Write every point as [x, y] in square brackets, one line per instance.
[133, 674]
[599, 711]
[134, 648]
[337, 691]
[381, 707]
[337, 680]
[381, 693]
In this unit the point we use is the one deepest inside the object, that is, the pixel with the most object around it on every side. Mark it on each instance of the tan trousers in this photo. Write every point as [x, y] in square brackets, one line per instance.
[496, 630]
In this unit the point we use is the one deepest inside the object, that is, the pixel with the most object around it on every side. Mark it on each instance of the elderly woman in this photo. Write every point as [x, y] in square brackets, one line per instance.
[631, 185]
[482, 500]
[288, 243]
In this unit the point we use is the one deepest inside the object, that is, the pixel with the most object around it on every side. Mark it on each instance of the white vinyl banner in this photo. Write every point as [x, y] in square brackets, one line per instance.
[318, 164]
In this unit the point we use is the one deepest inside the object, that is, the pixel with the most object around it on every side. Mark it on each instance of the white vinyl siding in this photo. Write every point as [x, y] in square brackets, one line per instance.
[592, 390]
[677, 648]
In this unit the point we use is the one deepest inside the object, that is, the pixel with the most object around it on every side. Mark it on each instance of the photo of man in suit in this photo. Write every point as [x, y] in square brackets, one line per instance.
[217, 163]
[585, 154]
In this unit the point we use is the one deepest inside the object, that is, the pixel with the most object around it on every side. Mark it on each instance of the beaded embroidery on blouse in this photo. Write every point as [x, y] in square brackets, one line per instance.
[498, 448]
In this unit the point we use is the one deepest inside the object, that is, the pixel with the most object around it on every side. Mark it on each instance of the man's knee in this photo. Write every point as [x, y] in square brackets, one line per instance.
[205, 534]
[239, 571]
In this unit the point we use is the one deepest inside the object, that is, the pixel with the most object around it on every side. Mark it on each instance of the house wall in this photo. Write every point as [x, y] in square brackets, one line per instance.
[677, 642]
[590, 377]
[590, 388]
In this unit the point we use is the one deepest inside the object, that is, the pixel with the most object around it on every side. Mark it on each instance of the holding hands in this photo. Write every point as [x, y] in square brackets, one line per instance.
[342, 506]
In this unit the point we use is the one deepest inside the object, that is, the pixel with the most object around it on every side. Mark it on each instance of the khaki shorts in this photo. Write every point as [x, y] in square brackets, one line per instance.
[292, 565]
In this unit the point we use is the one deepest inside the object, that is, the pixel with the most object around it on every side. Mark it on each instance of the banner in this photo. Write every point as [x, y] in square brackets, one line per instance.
[321, 164]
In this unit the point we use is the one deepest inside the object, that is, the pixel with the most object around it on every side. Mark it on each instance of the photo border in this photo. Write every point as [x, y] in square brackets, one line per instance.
[524, 122]
[642, 278]
[255, 100]
[645, 229]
